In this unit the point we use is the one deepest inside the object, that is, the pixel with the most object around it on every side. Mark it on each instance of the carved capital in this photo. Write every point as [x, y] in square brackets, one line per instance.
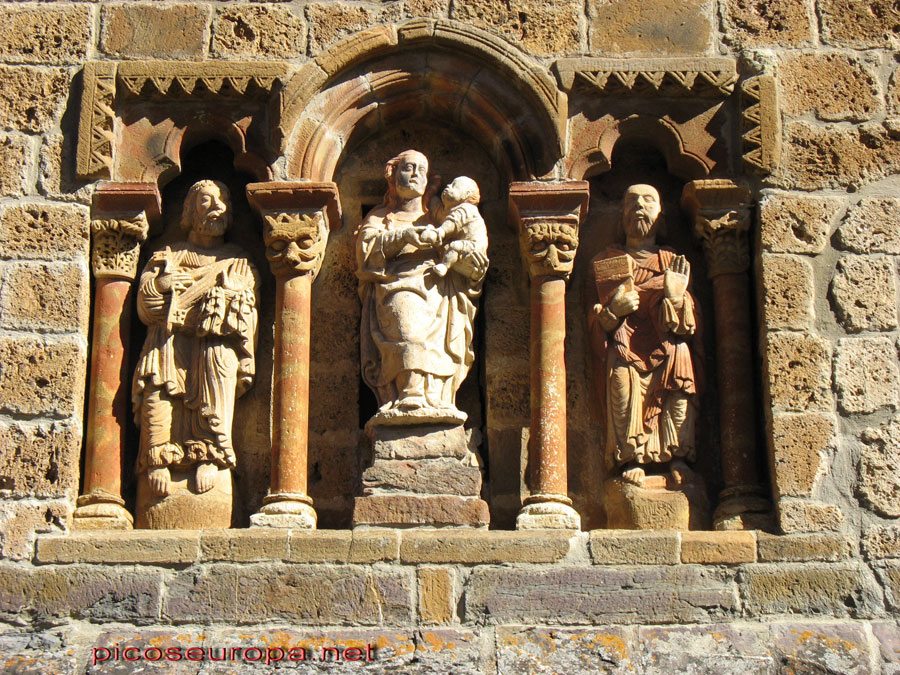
[116, 245]
[721, 215]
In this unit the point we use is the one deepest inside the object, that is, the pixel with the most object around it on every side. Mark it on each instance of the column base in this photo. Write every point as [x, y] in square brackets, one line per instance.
[286, 511]
[548, 515]
[98, 511]
[744, 508]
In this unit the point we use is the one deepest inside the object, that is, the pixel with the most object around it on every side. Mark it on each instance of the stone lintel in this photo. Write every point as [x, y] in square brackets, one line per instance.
[127, 198]
[274, 196]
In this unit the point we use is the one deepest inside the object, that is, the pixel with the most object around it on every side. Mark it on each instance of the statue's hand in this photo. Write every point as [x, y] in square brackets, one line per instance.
[419, 237]
[233, 278]
[430, 236]
[624, 302]
[676, 278]
[166, 281]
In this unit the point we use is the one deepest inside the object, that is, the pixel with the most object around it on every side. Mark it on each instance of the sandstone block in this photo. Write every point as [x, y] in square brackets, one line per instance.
[421, 442]
[658, 27]
[56, 170]
[860, 23]
[797, 224]
[871, 226]
[39, 460]
[41, 376]
[837, 589]
[888, 636]
[866, 375]
[264, 31]
[607, 649]
[508, 393]
[15, 154]
[414, 510]
[249, 545]
[585, 595]
[824, 547]
[635, 547]
[540, 27]
[889, 574]
[726, 547]
[428, 8]
[45, 296]
[864, 293]
[331, 21]
[798, 367]
[21, 521]
[148, 30]
[787, 287]
[878, 479]
[443, 475]
[850, 82]
[309, 594]
[483, 547]
[800, 442]
[39, 230]
[437, 596]
[839, 648]
[881, 541]
[124, 547]
[59, 33]
[798, 515]
[36, 651]
[32, 99]
[343, 546]
[716, 648]
[780, 22]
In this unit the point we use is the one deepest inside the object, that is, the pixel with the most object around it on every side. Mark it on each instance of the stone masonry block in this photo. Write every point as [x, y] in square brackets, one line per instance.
[331, 21]
[804, 646]
[32, 99]
[797, 224]
[437, 595]
[721, 548]
[539, 649]
[740, 648]
[889, 573]
[37, 33]
[815, 546]
[41, 376]
[779, 22]
[871, 226]
[836, 589]
[39, 460]
[799, 515]
[22, 520]
[254, 544]
[878, 479]
[787, 286]
[659, 27]
[40, 230]
[149, 30]
[483, 547]
[860, 23]
[800, 443]
[799, 371]
[540, 27]
[635, 547]
[343, 546]
[45, 296]
[262, 31]
[441, 475]
[833, 86]
[866, 375]
[881, 541]
[15, 154]
[864, 293]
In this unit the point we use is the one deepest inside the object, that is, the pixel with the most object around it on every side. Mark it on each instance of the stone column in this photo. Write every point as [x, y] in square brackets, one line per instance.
[721, 213]
[547, 216]
[120, 222]
[296, 220]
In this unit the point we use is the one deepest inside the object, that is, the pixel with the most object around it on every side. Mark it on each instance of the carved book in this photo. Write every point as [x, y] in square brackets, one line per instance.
[610, 273]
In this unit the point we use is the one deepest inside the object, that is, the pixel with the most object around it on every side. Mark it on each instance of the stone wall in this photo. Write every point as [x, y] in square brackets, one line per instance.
[822, 590]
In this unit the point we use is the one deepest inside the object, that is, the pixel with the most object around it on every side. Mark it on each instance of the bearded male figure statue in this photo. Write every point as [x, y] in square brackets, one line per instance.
[198, 298]
[644, 324]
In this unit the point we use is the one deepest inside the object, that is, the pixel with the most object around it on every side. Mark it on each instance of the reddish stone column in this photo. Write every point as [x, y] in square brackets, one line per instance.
[547, 216]
[119, 225]
[296, 216]
[721, 219]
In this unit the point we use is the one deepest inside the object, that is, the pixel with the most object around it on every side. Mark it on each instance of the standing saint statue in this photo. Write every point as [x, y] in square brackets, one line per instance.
[644, 323]
[198, 299]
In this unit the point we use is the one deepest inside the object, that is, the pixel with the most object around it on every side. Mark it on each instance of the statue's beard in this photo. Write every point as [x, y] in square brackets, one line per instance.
[640, 226]
[213, 224]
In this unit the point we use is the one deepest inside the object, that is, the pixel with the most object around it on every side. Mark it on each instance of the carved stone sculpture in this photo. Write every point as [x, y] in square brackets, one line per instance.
[198, 299]
[645, 321]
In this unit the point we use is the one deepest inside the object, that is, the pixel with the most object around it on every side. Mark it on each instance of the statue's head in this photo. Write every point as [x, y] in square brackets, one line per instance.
[407, 176]
[641, 210]
[462, 190]
[207, 209]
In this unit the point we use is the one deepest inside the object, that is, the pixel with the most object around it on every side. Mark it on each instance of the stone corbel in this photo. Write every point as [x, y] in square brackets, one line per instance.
[121, 217]
[721, 212]
[296, 221]
[547, 216]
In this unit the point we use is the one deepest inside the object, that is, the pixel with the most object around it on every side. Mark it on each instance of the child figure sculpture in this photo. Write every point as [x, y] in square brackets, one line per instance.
[462, 229]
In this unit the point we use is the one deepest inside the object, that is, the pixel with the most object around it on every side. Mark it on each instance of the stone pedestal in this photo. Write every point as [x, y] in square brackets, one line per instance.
[423, 475]
[657, 505]
[183, 508]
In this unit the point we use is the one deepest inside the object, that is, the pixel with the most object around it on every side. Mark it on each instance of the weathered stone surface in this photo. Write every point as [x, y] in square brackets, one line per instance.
[422, 476]
[787, 287]
[540, 27]
[726, 547]
[331, 21]
[888, 636]
[89, 592]
[45, 296]
[32, 99]
[851, 85]
[14, 160]
[635, 547]
[21, 521]
[804, 647]
[145, 29]
[798, 515]
[797, 224]
[263, 31]
[38, 652]
[655, 507]
[425, 441]
[39, 460]
[825, 547]
[866, 375]
[658, 27]
[56, 170]
[111, 547]
[415, 510]
[606, 649]
[437, 595]
[483, 547]
[800, 442]
[342, 546]
[780, 22]
[309, 594]
[881, 541]
[250, 545]
[889, 574]
[59, 33]
[142, 646]
[507, 393]
[39, 230]
[864, 293]
[879, 481]
[860, 23]
[429, 8]
[838, 589]
[871, 226]
[576, 595]
[41, 376]
[719, 648]
[798, 368]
